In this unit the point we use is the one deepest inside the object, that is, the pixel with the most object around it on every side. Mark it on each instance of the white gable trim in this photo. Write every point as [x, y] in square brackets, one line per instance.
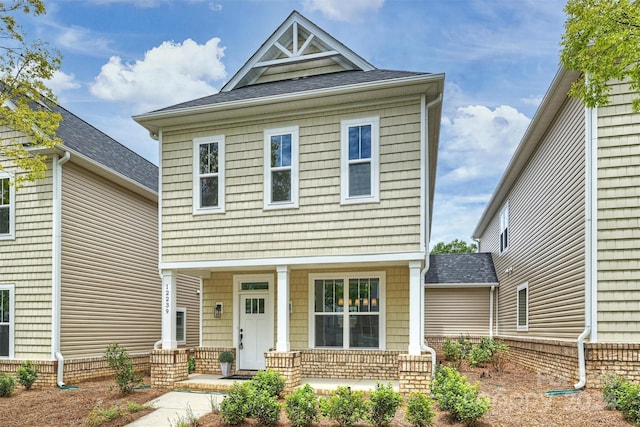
[288, 32]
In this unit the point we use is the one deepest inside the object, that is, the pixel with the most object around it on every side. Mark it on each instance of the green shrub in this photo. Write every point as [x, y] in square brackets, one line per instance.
[7, 384]
[419, 411]
[119, 360]
[235, 407]
[620, 393]
[302, 407]
[225, 357]
[264, 408]
[344, 406]
[191, 364]
[458, 397]
[470, 407]
[612, 385]
[269, 381]
[384, 402]
[452, 350]
[488, 351]
[27, 374]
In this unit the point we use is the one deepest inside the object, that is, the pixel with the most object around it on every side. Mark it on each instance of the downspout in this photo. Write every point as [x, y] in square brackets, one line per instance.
[493, 289]
[56, 264]
[591, 213]
[424, 111]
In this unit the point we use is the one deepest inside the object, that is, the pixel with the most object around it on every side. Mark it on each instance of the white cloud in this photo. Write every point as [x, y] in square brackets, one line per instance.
[455, 216]
[82, 40]
[342, 10]
[477, 142]
[215, 7]
[62, 81]
[168, 74]
[532, 100]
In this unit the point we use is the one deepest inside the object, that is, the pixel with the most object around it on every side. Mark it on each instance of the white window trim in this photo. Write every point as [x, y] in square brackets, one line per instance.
[12, 319]
[295, 167]
[12, 208]
[184, 326]
[519, 327]
[504, 213]
[382, 307]
[197, 210]
[374, 197]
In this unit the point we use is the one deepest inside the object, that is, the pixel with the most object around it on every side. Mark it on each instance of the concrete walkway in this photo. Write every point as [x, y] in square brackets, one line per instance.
[178, 406]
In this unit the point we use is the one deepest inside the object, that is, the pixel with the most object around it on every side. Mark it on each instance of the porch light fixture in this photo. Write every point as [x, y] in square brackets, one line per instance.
[217, 312]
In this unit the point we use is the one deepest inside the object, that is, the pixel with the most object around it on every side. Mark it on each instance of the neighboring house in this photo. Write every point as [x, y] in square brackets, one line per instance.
[459, 296]
[563, 229]
[302, 194]
[78, 259]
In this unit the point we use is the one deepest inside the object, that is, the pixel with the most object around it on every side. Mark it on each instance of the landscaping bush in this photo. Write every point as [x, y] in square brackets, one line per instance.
[27, 374]
[191, 364]
[620, 393]
[452, 350]
[488, 351]
[119, 360]
[7, 384]
[269, 381]
[235, 406]
[458, 397]
[302, 407]
[344, 406]
[384, 402]
[419, 411]
[264, 408]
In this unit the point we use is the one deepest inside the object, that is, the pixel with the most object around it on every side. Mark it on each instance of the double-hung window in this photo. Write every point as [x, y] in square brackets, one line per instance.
[281, 168]
[522, 307]
[208, 174]
[6, 320]
[7, 207]
[504, 228]
[360, 160]
[347, 311]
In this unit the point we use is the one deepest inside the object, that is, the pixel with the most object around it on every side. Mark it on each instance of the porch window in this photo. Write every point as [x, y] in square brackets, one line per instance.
[347, 312]
[360, 164]
[208, 174]
[6, 320]
[181, 325]
[281, 168]
[7, 209]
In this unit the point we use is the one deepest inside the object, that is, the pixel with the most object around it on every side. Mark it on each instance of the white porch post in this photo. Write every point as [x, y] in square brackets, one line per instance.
[282, 344]
[169, 310]
[415, 287]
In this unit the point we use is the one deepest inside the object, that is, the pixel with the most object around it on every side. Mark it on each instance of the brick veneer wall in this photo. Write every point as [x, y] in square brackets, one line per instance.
[207, 359]
[414, 373]
[607, 358]
[168, 367]
[288, 365]
[352, 364]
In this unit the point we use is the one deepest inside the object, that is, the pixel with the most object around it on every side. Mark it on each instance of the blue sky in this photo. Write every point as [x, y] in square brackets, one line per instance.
[126, 57]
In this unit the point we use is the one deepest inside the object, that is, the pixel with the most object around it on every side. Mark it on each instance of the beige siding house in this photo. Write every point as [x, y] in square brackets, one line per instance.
[562, 226]
[301, 194]
[78, 260]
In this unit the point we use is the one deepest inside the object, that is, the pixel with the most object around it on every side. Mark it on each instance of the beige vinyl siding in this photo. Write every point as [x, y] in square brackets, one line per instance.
[618, 218]
[111, 290]
[292, 71]
[321, 224]
[456, 311]
[26, 263]
[546, 228]
[219, 288]
[188, 296]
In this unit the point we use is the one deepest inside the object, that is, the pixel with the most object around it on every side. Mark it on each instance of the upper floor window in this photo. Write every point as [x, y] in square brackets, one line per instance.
[359, 160]
[504, 228]
[281, 168]
[7, 207]
[522, 307]
[208, 174]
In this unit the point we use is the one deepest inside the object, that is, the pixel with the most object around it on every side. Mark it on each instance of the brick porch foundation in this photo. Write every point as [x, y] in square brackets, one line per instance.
[168, 367]
[414, 373]
[288, 364]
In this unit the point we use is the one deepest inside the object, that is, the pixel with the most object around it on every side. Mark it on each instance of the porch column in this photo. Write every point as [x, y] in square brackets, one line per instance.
[282, 344]
[169, 310]
[415, 287]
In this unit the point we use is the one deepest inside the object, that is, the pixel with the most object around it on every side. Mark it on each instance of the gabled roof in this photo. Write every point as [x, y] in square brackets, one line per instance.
[81, 137]
[296, 40]
[474, 269]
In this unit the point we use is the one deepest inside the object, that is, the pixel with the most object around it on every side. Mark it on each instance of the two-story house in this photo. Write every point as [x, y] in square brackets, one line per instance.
[563, 227]
[301, 194]
[78, 259]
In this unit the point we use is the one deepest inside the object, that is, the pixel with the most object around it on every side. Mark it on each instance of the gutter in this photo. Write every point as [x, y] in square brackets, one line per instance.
[424, 112]
[591, 244]
[56, 263]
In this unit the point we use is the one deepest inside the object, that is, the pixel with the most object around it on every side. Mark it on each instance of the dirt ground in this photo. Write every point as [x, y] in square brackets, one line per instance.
[517, 396]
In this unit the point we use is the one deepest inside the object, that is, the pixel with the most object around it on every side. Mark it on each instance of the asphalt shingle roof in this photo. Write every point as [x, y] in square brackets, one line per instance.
[302, 84]
[461, 269]
[85, 139]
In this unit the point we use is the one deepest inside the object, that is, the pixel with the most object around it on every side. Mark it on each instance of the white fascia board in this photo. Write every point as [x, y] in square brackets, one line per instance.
[461, 285]
[151, 121]
[325, 261]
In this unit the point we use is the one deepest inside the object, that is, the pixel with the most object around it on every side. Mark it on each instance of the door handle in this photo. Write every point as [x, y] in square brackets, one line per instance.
[241, 335]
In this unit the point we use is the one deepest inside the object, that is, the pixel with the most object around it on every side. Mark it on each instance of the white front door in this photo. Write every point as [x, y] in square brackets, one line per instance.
[256, 335]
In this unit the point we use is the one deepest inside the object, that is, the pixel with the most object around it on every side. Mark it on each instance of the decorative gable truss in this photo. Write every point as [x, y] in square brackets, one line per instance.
[296, 41]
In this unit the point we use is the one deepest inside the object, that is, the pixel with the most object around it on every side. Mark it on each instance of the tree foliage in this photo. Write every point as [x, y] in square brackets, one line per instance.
[455, 246]
[602, 40]
[25, 100]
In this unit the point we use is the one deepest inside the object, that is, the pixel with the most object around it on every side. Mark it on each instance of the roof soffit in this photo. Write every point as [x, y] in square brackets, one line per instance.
[296, 40]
